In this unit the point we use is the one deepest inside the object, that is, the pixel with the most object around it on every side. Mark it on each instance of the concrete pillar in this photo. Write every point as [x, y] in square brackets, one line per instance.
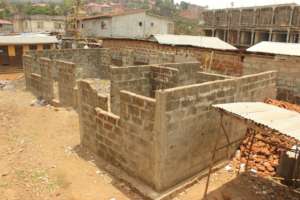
[240, 17]
[270, 35]
[238, 37]
[254, 17]
[273, 15]
[291, 16]
[11, 50]
[25, 49]
[252, 37]
[288, 35]
[40, 47]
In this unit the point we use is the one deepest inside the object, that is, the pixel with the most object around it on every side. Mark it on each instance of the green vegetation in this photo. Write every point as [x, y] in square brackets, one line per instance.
[7, 8]
[169, 9]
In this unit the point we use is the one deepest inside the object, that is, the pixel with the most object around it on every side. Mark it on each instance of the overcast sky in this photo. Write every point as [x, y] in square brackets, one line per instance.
[237, 3]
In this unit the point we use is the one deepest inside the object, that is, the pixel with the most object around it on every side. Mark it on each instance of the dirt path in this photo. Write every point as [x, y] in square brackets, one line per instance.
[37, 158]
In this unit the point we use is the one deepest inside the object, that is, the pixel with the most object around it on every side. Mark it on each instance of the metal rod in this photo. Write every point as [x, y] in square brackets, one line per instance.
[210, 168]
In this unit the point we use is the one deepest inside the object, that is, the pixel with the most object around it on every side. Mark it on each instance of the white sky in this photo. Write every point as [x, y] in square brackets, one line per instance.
[237, 3]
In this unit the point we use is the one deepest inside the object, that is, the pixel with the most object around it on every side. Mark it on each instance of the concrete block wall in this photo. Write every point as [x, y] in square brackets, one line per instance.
[227, 62]
[88, 100]
[189, 126]
[288, 82]
[35, 84]
[27, 63]
[91, 63]
[94, 98]
[66, 83]
[127, 140]
[163, 77]
[207, 77]
[134, 78]
[132, 56]
[146, 79]
[187, 72]
[165, 140]
[74, 64]
[47, 90]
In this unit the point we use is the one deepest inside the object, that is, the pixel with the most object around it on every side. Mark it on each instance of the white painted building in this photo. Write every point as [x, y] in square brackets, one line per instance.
[134, 24]
[39, 23]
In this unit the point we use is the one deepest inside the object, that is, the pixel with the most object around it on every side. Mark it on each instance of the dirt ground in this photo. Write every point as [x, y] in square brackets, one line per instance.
[40, 159]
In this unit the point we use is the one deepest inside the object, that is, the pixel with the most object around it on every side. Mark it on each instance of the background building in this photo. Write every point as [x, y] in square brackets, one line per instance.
[5, 26]
[134, 24]
[245, 27]
[94, 8]
[12, 47]
[39, 23]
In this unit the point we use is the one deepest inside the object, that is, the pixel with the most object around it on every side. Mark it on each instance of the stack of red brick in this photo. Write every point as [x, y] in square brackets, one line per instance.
[267, 146]
[284, 104]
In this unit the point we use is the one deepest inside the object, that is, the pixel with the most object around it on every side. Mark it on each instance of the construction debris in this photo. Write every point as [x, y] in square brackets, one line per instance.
[263, 156]
[283, 104]
[39, 102]
[3, 84]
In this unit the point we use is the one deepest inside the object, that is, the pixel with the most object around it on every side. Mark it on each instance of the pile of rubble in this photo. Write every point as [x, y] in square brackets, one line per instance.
[283, 104]
[263, 156]
[3, 84]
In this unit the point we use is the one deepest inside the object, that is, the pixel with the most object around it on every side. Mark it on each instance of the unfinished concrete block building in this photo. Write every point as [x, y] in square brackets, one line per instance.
[155, 122]
[247, 26]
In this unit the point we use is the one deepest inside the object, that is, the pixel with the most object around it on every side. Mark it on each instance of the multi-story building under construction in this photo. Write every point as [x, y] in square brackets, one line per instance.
[244, 27]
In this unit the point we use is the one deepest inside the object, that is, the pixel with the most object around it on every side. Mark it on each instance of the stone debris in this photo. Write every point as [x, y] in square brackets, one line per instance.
[6, 85]
[39, 102]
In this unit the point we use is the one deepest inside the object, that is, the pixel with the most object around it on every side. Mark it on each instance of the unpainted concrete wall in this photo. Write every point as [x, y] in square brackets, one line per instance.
[165, 140]
[228, 62]
[288, 67]
[188, 125]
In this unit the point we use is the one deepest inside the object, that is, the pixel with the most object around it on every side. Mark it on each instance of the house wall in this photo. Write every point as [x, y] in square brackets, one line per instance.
[167, 139]
[154, 25]
[288, 81]
[91, 63]
[128, 25]
[30, 23]
[6, 28]
[48, 26]
[227, 62]
[63, 67]
[253, 20]
[95, 28]
[187, 130]
[127, 140]
[230, 63]
[137, 25]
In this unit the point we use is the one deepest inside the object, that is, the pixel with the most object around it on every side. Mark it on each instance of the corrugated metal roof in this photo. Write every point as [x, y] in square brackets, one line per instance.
[27, 39]
[195, 41]
[291, 49]
[282, 120]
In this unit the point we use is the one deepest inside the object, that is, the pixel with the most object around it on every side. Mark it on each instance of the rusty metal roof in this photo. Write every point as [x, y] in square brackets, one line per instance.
[281, 48]
[195, 41]
[282, 120]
